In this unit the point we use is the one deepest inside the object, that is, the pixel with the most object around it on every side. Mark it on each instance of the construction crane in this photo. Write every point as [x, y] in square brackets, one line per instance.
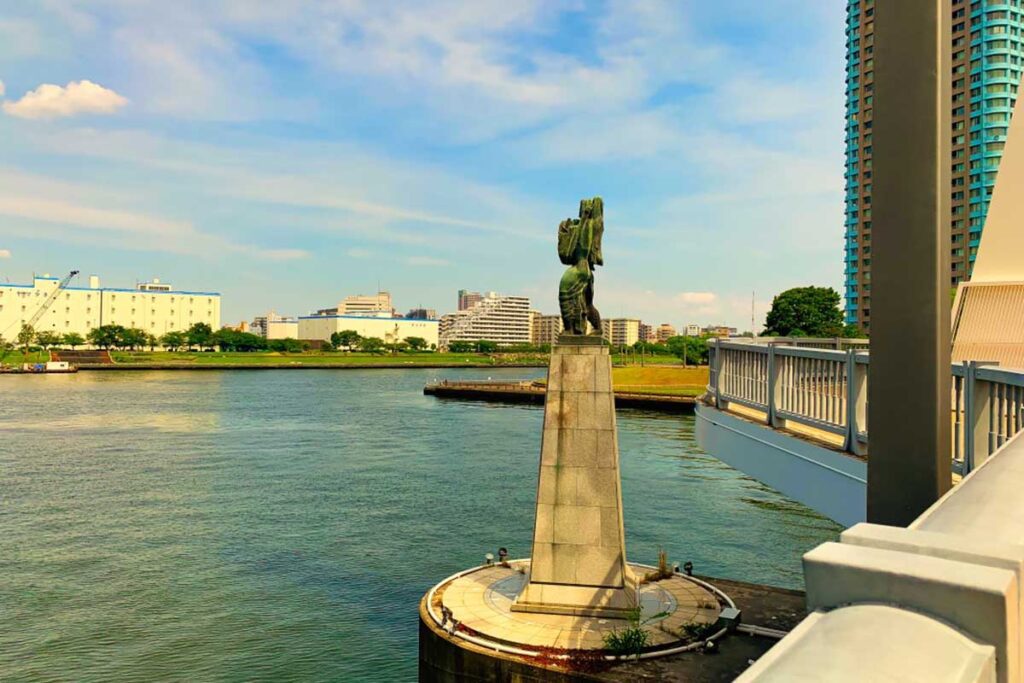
[50, 299]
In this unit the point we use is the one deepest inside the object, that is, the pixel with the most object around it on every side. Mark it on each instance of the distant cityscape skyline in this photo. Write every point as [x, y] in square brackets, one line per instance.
[280, 172]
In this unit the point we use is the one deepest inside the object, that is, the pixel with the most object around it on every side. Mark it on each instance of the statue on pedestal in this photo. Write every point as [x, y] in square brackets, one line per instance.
[579, 247]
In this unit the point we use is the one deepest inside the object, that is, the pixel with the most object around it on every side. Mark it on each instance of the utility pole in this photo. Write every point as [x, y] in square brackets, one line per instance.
[753, 332]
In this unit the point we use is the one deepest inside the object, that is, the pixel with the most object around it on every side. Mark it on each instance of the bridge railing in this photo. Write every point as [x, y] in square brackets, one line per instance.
[827, 389]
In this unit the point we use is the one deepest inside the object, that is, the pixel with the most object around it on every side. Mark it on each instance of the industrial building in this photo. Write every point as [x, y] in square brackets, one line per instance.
[154, 307]
[388, 330]
[274, 326]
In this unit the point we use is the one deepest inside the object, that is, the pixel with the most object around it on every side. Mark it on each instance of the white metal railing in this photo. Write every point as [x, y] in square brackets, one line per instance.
[826, 388]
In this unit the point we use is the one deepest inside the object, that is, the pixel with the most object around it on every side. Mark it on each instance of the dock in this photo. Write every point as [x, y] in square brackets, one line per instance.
[526, 391]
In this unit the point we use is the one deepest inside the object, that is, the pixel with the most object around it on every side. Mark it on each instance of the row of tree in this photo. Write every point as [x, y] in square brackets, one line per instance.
[202, 337]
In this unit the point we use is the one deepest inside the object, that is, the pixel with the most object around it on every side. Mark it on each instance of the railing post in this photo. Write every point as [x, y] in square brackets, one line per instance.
[720, 402]
[856, 403]
[978, 442]
[775, 365]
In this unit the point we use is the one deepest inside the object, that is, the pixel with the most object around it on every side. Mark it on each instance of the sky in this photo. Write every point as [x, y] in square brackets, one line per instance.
[289, 153]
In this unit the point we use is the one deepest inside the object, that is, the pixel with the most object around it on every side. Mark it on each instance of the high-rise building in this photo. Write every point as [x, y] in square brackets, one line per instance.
[664, 332]
[691, 330]
[987, 54]
[620, 331]
[646, 332]
[468, 300]
[501, 319]
[367, 305]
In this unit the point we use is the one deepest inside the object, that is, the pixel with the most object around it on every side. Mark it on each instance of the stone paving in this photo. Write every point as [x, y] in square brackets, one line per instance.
[482, 599]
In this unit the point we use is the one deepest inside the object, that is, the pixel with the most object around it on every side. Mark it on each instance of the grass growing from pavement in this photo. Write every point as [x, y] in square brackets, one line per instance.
[318, 358]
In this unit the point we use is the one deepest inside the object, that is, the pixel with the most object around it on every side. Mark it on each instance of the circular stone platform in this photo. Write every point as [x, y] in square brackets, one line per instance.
[480, 602]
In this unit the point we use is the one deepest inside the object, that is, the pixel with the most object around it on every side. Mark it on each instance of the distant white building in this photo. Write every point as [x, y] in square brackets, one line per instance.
[366, 305]
[692, 330]
[154, 307]
[388, 330]
[504, 320]
[274, 326]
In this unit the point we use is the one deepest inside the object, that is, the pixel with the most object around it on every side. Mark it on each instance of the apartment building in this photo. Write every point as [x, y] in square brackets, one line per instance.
[620, 331]
[544, 329]
[498, 318]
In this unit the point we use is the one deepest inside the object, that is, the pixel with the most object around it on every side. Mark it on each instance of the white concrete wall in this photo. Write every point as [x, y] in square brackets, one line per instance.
[80, 309]
[390, 330]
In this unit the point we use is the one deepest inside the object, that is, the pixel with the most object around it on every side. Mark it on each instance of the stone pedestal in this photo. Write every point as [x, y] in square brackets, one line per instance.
[578, 565]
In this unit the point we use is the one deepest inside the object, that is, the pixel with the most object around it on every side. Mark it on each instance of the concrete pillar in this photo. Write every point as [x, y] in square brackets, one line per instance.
[578, 566]
[909, 406]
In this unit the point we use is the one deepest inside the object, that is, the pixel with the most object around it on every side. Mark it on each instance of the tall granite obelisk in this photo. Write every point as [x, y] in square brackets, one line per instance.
[579, 554]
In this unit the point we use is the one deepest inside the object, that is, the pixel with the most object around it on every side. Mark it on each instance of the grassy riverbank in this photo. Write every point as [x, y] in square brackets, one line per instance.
[664, 380]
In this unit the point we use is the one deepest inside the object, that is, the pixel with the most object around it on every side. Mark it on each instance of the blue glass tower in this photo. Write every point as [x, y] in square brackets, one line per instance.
[987, 55]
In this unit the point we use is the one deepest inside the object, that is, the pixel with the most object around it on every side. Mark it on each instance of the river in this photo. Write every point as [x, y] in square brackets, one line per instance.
[283, 525]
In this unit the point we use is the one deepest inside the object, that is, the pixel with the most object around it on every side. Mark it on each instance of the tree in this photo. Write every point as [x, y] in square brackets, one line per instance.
[106, 336]
[174, 340]
[5, 348]
[485, 346]
[151, 342]
[26, 336]
[461, 346]
[692, 350]
[346, 339]
[46, 339]
[73, 339]
[200, 334]
[288, 345]
[233, 340]
[131, 338]
[416, 343]
[371, 344]
[805, 311]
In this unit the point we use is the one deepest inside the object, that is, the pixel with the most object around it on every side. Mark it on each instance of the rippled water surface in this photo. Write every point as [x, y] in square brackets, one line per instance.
[283, 525]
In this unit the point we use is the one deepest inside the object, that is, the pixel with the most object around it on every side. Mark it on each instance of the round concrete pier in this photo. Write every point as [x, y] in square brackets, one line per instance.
[487, 639]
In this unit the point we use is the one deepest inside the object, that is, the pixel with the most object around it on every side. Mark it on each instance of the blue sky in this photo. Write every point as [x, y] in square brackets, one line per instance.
[288, 153]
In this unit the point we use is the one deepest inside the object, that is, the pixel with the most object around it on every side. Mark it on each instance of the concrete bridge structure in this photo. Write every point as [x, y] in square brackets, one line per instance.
[793, 413]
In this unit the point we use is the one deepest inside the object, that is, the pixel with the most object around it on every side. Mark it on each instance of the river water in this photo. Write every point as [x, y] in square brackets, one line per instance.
[283, 525]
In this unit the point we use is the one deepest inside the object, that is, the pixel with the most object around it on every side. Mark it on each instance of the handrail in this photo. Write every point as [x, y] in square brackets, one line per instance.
[827, 389]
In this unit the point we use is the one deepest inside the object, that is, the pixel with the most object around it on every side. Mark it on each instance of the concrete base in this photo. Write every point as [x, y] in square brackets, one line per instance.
[577, 601]
[579, 553]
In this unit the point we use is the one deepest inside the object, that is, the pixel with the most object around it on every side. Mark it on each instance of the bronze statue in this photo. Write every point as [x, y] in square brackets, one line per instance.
[579, 247]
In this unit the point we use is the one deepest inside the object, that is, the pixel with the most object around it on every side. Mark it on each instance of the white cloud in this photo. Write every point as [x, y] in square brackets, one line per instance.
[2, 89]
[703, 298]
[5, 253]
[77, 97]
[426, 261]
[57, 209]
